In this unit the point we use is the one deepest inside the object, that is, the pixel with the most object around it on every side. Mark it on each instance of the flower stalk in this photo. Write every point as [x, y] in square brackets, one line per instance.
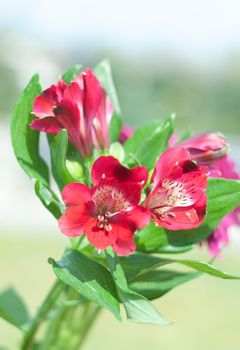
[66, 325]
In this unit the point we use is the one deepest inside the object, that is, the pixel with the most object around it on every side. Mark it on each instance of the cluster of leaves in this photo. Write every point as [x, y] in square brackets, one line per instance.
[104, 278]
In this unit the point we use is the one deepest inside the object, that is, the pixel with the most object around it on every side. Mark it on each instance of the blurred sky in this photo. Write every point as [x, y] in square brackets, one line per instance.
[192, 28]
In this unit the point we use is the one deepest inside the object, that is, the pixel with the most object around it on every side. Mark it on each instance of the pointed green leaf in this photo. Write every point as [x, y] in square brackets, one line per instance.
[116, 150]
[70, 74]
[153, 239]
[155, 284]
[25, 141]
[12, 308]
[92, 280]
[104, 74]
[142, 133]
[169, 249]
[223, 197]
[207, 268]
[49, 199]
[58, 149]
[150, 238]
[139, 264]
[115, 127]
[137, 307]
[149, 144]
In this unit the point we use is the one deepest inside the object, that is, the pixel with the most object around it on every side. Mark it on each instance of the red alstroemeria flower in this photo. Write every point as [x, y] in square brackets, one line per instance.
[108, 213]
[82, 107]
[206, 148]
[177, 200]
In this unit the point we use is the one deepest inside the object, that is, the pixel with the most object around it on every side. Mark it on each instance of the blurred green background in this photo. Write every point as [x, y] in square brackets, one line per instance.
[174, 57]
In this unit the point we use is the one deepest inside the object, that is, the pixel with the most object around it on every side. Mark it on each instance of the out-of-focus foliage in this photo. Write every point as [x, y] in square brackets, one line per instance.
[148, 86]
[8, 88]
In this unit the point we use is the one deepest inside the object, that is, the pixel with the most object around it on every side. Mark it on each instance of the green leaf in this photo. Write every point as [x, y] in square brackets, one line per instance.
[75, 169]
[223, 197]
[49, 199]
[69, 75]
[155, 284]
[139, 263]
[58, 149]
[25, 141]
[104, 74]
[90, 279]
[207, 268]
[143, 133]
[150, 238]
[115, 127]
[137, 307]
[12, 308]
[116, 150]
[184, 238]
[148, 143]
[154, 239]
[169, 249]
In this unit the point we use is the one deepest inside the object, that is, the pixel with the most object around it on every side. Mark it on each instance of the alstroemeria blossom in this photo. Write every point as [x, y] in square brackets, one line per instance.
[108, 213]
[206, 148]
[82, 107]
[177, 200]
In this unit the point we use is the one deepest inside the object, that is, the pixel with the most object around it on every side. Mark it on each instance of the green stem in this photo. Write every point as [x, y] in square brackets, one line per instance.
[46, 306]
[91, 314]
[70, 327]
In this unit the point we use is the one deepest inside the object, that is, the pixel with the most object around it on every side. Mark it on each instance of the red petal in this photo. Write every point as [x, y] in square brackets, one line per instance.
[132, 191]
[109, 168]
[43, 104]
[49, 98]
[124, 247]
[205, 142]
[168, 161]
[133, 219]
[101, 122]
[76, 194]
[72, 222]
[100, 238]
[68, 115]
[49, 124]
[92, 94]
[178, 219]
[77, 197]
[183, 218]
[74, 93]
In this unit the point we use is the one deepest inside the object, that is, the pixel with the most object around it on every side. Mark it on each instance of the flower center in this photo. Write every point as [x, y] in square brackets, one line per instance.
[171, 194]
[108, 201]
[103, 222]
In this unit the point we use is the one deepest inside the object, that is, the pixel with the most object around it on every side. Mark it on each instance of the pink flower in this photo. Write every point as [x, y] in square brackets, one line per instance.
[224, 168]
[108, 213]
[82, 107]
[206, 148]
[177, 200]
[125, 133]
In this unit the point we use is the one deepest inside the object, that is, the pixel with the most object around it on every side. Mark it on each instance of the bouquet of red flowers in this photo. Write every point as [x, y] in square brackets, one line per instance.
[128, 202]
